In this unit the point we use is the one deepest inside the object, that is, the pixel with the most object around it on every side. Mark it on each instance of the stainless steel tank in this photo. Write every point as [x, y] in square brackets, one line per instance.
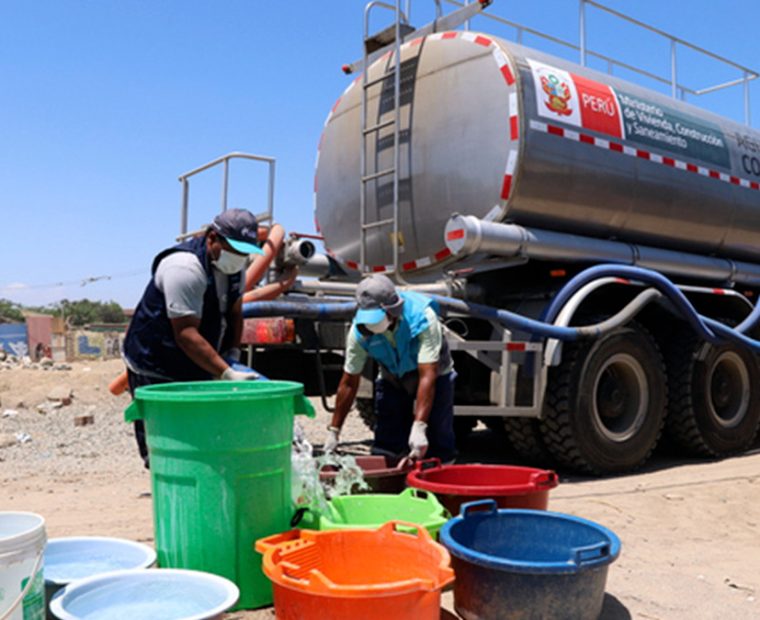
[507, 133]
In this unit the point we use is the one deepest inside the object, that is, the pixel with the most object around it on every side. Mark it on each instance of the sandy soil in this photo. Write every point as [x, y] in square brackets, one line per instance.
[690, 529]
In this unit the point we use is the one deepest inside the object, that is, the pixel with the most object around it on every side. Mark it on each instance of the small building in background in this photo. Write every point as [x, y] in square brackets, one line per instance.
[39, 328]
[44, 335]
[58, 339]
[95, 341]
[13, 339]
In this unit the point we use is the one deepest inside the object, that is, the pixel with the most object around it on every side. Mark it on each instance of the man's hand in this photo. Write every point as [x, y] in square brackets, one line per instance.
[332, 439]
[418, 443]
[236, 375]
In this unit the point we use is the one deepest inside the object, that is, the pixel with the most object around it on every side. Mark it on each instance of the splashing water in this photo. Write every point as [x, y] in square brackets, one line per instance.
[308, 491]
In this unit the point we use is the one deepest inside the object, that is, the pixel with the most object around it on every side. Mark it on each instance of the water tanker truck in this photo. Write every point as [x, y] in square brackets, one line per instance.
[594, 245]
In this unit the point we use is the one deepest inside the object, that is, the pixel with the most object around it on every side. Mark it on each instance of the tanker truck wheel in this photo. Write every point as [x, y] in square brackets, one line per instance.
[715, 399]
[605, 403]
[527, 440]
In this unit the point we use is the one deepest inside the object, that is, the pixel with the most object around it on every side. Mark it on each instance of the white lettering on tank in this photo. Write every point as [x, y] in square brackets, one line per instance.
[599, 104]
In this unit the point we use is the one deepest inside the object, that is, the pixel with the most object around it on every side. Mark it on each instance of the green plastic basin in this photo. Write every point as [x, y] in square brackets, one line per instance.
[371, 511]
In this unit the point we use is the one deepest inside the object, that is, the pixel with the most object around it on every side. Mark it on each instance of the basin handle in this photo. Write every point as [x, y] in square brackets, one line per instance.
[487, 506]
[303, 406]
[415, 492]
[591, 554]
[427, 464]
[392, 528]
[546, 479]
[133, 412]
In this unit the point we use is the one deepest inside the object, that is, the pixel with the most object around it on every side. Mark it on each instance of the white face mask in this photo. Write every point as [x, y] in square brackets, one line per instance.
[230, 263]
[380, 327]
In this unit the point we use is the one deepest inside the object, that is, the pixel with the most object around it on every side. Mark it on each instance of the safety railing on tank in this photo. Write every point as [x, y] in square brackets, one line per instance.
[678, 89]
[224, 161]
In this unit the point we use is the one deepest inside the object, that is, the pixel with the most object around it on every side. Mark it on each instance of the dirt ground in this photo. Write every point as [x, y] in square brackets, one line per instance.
[690, 529]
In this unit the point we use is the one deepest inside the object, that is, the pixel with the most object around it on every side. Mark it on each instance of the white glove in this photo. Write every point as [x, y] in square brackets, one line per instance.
[235, 375]
[332, 439]
[418, 443]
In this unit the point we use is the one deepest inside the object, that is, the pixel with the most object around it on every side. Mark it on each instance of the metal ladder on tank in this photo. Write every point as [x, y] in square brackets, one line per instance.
[391, 36]
[374, 46]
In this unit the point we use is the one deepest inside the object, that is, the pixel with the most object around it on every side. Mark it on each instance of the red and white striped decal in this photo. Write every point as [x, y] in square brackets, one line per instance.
[522, 346]
[507, 73]
[624, 149]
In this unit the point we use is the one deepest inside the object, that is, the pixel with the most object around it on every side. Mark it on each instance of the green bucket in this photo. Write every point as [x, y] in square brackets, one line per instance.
[220, 466]
[371, 511]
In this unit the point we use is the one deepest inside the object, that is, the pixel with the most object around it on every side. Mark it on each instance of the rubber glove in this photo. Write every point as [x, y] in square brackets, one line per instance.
[230, 374]
[241, 368]
[418, 443]
[332, 439]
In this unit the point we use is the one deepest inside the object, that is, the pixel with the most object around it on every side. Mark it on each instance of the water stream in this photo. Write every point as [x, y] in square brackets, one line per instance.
[308, 491]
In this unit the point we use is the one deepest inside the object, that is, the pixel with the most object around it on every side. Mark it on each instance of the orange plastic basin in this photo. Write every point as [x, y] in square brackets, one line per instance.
[369, 574]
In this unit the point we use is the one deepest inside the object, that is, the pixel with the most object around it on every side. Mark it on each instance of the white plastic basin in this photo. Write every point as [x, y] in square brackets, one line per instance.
[72, 558]
[147, 594]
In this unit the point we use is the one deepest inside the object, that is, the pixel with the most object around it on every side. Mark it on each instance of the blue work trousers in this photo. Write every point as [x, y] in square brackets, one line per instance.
[395, 414]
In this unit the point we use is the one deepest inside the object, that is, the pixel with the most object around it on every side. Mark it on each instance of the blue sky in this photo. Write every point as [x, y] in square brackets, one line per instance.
[103, 104]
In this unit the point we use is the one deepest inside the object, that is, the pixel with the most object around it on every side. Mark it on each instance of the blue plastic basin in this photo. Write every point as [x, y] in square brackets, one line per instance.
[527, 563]
[149, 594]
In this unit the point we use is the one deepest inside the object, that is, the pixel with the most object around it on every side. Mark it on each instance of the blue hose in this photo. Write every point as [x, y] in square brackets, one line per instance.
[661, 283]
[298, 310]
[512, 320]
[708, 329]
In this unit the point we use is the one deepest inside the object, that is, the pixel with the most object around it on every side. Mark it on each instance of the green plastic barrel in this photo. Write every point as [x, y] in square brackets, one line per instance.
[220, 466]
[371, 511]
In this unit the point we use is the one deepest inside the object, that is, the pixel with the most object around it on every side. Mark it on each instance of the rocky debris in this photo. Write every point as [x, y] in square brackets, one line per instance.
[84, 419]
[47, 407]
[9, 413]
[61, 394]
[12, 362]
[11, 439]
[59, 448]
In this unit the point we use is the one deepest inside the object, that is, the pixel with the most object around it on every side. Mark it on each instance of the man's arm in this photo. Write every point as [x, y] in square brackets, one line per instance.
[195, 346]
[234, 327]
[425, 391]
[274, 289]
[347, 388]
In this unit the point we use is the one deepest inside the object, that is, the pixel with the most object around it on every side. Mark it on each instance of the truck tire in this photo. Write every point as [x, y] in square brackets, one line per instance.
[605, 403]
[525, 436]
[366, 409]
[715, 396]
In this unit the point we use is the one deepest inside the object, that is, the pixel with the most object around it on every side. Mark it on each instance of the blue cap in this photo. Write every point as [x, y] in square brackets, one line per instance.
[376, 295]
[370, 316]
[240, 229]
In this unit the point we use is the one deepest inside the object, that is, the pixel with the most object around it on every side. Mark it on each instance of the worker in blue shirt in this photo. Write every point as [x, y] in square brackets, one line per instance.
[414, 393]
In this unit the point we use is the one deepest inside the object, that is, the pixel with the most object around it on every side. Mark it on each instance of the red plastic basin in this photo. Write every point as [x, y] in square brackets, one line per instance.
[510, 486]
[378, 474]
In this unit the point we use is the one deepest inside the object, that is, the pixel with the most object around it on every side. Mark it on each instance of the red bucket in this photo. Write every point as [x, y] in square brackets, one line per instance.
[510, 486]
[379, 473]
